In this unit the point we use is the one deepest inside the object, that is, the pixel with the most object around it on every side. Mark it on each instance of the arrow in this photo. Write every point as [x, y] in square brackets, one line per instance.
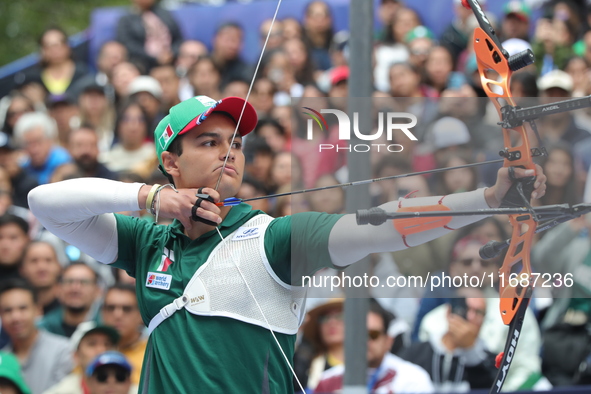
[230, 202]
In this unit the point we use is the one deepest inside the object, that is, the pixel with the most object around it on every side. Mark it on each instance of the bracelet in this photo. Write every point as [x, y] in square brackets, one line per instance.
[150, 198]
[151, 208]
[156, 203]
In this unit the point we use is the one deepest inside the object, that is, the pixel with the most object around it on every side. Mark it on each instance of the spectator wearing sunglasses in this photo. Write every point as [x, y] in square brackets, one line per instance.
[120, 310]
[109, 372]
[386, 372]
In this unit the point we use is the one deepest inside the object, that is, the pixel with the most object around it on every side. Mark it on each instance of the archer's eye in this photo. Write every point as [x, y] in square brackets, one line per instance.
[209, 143]
[237, 145]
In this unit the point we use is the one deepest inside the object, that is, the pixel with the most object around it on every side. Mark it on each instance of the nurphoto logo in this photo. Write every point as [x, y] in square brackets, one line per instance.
[390, 119]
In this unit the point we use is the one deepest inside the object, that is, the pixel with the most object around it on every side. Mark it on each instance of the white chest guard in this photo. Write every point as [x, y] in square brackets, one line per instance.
[237, 282]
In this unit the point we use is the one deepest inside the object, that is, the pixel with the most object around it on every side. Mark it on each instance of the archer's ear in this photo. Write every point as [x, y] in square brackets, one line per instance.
[169, 163]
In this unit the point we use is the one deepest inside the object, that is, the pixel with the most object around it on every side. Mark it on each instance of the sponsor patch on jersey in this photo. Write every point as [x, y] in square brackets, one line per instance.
[158, 280]
[246, 233]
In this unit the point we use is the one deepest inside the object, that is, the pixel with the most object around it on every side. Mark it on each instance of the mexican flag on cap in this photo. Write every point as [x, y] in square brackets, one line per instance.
[194, 111]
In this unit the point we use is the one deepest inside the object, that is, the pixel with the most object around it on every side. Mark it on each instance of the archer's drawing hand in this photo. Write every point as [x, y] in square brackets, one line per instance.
[179, 205]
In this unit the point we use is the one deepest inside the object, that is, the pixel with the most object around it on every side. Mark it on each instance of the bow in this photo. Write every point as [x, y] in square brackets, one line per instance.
[496, 67]
[490, 55]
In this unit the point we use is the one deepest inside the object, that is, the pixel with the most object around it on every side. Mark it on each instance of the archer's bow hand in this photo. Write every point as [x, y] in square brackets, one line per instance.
[494, 195]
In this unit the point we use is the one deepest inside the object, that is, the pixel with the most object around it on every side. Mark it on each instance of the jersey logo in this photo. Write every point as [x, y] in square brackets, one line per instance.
[158, 281]
[166, 260]
[246, 233]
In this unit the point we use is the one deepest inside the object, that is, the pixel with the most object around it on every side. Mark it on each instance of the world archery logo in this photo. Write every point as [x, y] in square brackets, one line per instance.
[158, 281]
[387, 123]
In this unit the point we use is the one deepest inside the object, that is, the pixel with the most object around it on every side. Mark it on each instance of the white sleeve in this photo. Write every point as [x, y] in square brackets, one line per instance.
[349, 242]
[80, 211]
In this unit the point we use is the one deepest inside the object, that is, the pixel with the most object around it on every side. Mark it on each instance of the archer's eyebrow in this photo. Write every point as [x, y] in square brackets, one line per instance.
[212, 134]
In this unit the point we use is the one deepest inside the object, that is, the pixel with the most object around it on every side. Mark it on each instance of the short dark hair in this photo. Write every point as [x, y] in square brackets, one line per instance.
[387, 317]
[269, 122]
[52, 28]
[256, 146]
[7, 285]
[38, 242]
[407, 65]
[205, 58]
[176, 147]
[234, 79]
[80, 264]
[9, 218]
[226, 25]
[122, 287]
[84, 127]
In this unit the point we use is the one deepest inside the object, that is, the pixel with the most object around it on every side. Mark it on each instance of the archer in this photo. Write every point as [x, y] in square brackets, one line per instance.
[216, 285]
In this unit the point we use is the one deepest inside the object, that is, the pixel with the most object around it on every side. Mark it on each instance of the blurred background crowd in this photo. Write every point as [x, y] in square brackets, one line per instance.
[61, 310]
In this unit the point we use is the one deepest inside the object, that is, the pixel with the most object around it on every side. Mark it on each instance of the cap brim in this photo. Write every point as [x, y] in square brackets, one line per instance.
[232, 106]
[105, 359]
[555, 84]
[16, 379]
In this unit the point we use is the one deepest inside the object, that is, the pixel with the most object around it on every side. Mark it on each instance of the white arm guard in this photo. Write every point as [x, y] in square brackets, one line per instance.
[80, 211]
[349, 242]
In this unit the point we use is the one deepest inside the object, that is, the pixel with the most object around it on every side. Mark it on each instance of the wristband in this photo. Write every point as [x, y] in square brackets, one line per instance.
[150, 197]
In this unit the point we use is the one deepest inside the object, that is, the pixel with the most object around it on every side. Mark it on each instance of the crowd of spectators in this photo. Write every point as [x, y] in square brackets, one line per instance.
[65, 122]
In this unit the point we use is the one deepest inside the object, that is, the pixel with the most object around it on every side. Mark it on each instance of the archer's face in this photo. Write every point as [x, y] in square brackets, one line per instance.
[204, 150]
